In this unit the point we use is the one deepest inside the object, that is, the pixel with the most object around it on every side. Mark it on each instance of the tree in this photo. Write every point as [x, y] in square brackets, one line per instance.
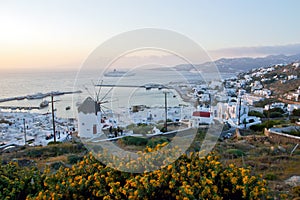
[296, 112]
[256, 114]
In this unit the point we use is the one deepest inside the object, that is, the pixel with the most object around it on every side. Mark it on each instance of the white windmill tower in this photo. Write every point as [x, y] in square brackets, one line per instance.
[90, 115]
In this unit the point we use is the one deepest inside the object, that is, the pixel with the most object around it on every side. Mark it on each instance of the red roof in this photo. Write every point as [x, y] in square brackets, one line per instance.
[201, 114]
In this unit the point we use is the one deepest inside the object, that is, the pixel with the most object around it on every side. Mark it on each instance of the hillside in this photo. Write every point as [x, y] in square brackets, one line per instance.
[282, 80]
[235, 65]
[69, 172]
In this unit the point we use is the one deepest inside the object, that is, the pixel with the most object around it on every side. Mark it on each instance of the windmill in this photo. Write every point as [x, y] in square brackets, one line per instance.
[99, 107]
[92, 113]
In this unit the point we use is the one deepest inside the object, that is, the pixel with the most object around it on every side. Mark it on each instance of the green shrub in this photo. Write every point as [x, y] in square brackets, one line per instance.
[73, 159]
[142, 129]
[270, 176]
[275, 114]
[34, 153]
[56, 165]
[235, 152]
[292, 132]
[52, 143]
[134, 141]
[296, 112]
[256, 114]
[153, 142]
[266, 124]
[262, 103]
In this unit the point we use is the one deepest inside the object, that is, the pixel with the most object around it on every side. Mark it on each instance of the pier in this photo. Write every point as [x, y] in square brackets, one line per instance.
[38, 96]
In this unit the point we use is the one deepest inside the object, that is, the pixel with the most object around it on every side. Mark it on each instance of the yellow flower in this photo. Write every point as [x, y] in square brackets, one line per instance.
[208, 181]
[234, 180]
[97, 183]
[213, 174]
[133, 184]
[106, 197]
[245, 179]
[40, 194]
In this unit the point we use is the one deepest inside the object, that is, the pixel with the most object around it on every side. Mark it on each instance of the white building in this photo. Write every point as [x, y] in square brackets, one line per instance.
[274, 105]
[292, 77]
[202, 116]
[235, 112]
[263, 92]
[291, 107]
[250, 99]
[256, 86]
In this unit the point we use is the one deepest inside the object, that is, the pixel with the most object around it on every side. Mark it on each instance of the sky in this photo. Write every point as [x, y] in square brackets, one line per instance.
[59, 34]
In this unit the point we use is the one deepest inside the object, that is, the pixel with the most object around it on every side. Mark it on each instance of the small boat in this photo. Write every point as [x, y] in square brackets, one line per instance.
[44, 104]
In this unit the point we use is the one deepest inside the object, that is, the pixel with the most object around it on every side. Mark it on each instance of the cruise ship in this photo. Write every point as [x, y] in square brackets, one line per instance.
[116, 73]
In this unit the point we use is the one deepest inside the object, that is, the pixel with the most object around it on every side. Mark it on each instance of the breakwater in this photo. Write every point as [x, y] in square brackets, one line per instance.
[38, 96]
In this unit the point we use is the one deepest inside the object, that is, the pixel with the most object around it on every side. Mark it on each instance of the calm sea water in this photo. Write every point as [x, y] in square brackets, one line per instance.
[21, 84]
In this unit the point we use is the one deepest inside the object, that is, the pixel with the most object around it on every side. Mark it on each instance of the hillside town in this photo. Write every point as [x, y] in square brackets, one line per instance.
[244, 102]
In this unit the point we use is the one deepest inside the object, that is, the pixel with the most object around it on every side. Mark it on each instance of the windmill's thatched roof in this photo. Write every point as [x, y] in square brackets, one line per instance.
[89, 106]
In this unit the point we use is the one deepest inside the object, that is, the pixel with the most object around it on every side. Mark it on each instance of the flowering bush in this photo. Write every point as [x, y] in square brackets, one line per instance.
[17, 182]
[190, 177]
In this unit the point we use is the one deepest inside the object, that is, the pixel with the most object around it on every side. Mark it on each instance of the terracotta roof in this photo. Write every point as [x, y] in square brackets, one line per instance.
[201, 114]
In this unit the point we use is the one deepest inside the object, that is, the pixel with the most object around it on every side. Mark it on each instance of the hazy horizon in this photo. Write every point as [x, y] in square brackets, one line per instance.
[236, 52]
[60, 35]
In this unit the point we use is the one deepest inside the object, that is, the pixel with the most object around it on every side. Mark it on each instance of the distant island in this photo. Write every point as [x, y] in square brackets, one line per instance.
[237, 65]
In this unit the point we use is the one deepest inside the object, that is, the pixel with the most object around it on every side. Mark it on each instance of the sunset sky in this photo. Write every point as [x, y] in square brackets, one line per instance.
[60, 34]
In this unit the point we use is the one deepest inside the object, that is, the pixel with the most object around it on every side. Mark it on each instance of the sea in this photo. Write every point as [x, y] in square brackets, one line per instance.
[16, 84]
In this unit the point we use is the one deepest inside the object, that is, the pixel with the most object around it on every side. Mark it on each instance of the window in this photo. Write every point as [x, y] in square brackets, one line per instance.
[94, 129]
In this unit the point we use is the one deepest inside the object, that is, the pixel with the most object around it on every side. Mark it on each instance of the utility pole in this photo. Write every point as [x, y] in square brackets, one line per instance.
[53, 122]
[24, 131]
[240, 103]
[166, 112]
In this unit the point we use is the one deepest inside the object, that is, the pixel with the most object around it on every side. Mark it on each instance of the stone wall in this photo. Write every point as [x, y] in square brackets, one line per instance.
[281, 138]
